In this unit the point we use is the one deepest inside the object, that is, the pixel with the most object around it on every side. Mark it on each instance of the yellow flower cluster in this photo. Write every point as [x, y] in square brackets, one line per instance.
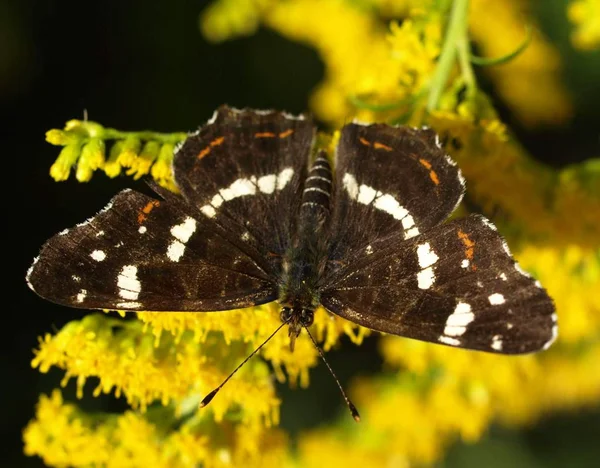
[63, 436]
[585, 15]
[534, 200]
[174, 359]
[363, 59]
[140, 153]
[530, 84]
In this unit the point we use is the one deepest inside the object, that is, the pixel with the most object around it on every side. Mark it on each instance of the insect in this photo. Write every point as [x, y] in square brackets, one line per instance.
[256, 221]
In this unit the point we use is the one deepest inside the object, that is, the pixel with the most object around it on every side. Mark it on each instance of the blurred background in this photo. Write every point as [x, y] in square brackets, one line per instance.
[145, 65]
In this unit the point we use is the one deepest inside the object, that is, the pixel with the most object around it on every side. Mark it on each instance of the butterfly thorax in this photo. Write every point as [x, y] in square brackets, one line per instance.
[305, 260]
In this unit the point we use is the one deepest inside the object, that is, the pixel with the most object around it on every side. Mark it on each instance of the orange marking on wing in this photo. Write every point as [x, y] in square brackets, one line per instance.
[469, 244]
[378, 145]
[433, 176]
[364, 142]
[286, 134]
[425, 163]
[216, 142]
[146, 210]
[264, 135]
[204, 152]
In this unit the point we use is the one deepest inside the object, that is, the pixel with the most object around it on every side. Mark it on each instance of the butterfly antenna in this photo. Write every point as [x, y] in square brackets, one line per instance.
[351, 406]
[208, 398]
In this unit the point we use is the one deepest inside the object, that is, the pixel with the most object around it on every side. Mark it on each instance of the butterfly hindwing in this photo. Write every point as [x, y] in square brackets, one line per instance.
[140, 253]
[456, 284]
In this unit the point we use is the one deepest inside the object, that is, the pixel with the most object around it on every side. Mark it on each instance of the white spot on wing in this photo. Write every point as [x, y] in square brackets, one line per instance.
[175, 251]
[217, 201]
[351, 186]
[426, 278]
[366, 194]
[427, 257]
[208, 211]
[408, 222]
[496, 299]
[457, 322]
[412, 232]
[284, 178]
[184, 231]
[81, 296]
[142, 229]
[99, 233]
[497, 342]
[76, 278]
[245, 236]
[129, 305]
[503, 277]
[465, 263]
[369, 250]
[449, 341]
[63, 232]
[98, 255]
[391, 206]
[242, 187]
[266, 184]
[128, 282]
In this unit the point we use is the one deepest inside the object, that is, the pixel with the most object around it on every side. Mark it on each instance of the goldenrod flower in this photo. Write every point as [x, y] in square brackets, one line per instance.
[530, 84]
[64, 436]
[585, 15]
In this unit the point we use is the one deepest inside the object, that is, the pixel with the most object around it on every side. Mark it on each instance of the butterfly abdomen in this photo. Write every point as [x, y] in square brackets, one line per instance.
[305, 259]
[317, 193]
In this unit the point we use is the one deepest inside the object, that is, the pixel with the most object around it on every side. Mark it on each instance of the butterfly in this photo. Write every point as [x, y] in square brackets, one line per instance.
[262, 217]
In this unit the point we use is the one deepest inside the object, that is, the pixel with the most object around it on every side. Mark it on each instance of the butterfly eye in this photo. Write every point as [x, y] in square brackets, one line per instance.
[286, 314]
[306, 317]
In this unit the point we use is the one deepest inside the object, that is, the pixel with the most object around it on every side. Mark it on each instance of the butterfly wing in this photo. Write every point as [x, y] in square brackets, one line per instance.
[404, 271]
[389, 180]
[244, 173]
[218, 246]
[141, 253]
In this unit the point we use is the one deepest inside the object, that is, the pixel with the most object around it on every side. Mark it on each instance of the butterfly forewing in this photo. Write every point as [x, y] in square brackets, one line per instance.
[456, 284]
[141, 253]
[244, 171]
[389, 180]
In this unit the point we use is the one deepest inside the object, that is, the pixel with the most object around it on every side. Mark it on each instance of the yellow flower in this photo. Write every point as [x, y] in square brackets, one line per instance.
[225, 19]
[530, 83]
[585, 15]
[501, 175]
[63, 436]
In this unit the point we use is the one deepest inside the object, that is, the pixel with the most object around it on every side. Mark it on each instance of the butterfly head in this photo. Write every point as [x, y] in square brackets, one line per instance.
[296, 318]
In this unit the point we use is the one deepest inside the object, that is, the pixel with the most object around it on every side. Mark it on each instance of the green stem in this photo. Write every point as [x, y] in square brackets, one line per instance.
[486, 62]
[455, 30]
[464, 53]
[113, 134]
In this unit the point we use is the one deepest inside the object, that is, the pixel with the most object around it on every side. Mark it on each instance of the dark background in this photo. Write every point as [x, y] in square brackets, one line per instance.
[137, 64]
